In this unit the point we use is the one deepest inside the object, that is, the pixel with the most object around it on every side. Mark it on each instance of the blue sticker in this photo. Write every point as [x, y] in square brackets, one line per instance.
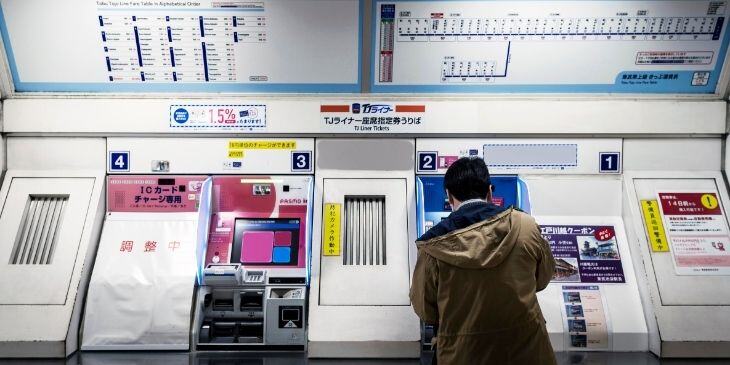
[181, 115]
[119, 161]
[610, 162]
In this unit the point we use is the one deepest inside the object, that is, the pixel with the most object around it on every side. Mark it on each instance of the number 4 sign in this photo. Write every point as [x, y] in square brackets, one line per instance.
[119, 161]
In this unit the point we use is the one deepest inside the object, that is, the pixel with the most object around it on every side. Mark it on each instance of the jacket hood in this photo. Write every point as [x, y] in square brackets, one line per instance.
[479, 246]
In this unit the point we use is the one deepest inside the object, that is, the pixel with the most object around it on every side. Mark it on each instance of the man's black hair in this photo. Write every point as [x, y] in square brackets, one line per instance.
[468, 178]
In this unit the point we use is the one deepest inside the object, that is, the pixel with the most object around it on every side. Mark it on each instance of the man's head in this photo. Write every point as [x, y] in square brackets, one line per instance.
[467, 178]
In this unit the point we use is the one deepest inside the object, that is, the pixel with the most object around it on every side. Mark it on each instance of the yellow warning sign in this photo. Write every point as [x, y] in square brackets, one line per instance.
[709, 201]
[262, 145]
[654, 226]
[235, 154]
[331, 229]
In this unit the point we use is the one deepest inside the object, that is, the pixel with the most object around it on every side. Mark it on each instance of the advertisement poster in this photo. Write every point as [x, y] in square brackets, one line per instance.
[203, 117]
[584, 318]
[585, 254]
[698, 232]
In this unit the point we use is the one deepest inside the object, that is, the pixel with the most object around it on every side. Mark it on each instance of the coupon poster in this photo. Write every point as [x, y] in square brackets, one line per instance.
[698, 232]
[585, 254]
[585, 323]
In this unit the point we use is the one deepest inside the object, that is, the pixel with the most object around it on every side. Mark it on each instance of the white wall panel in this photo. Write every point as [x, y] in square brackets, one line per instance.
[460, 116]
[56, 153]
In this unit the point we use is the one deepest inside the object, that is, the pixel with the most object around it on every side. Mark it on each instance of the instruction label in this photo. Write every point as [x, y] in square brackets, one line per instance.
[262, 145]
[698, 232]
[585, 323]
[331, 230]
[654, 227]
[585, 254]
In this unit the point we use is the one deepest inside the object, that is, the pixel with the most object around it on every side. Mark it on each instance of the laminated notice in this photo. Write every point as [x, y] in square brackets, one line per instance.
[698, 232]
[586, 324]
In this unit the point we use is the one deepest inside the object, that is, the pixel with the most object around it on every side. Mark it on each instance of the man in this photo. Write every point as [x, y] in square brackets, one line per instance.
[477, 275]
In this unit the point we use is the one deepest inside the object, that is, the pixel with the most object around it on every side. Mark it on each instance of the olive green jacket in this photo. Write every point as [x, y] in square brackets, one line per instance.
[479, 285]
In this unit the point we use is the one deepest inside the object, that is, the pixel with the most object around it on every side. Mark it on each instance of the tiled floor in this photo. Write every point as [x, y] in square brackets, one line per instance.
[238, 358]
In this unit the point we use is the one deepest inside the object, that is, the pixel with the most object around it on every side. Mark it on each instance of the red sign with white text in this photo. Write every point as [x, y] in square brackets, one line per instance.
[689, 203]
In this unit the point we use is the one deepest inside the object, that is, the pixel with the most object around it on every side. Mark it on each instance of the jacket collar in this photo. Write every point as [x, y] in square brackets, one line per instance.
[472, 201]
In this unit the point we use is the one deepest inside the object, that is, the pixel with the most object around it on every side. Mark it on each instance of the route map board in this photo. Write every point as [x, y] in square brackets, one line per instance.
[178, 46]
[548, 46]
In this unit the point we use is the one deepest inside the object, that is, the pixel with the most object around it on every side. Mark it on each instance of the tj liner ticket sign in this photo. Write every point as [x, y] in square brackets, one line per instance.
[585, 254]
[698, 232]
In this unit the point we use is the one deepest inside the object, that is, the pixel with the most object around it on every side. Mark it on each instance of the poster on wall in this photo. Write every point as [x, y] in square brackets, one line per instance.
[584, 254]
[698, 233]
[585, 323]
[594, 46]
[204, 45]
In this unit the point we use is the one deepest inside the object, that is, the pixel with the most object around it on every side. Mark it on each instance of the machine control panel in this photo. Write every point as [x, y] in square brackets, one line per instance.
[256, 260]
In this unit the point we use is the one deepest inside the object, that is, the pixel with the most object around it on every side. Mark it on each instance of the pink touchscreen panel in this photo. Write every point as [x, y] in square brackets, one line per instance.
[257, 247]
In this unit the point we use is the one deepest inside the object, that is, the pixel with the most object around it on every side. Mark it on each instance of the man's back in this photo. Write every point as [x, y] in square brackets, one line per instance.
[476, 277]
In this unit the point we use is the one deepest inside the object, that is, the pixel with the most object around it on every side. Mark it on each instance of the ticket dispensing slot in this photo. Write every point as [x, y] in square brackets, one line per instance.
[255, 273]
[364, 231]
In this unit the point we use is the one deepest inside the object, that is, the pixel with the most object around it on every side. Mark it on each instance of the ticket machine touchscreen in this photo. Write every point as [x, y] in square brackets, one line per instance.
[266, 241]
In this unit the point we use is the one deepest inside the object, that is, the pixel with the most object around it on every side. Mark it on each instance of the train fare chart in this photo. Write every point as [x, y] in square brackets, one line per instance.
[222, 42]
[175, 45]
[549, 46]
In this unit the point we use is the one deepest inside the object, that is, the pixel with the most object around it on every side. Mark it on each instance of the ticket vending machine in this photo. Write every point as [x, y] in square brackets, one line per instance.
[675, 206]
[247, 208]
[593, 302]
[432, 204]
[141, 291]
[255, 273]
[362, 250]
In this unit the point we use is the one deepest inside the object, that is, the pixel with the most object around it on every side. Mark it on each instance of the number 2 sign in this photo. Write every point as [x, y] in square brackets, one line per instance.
[427, 161]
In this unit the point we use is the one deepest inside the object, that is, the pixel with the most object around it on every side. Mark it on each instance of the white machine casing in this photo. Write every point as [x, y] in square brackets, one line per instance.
[141, 291]
[568, 192]
[52, 209]
[688, 315]
[362, 309]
